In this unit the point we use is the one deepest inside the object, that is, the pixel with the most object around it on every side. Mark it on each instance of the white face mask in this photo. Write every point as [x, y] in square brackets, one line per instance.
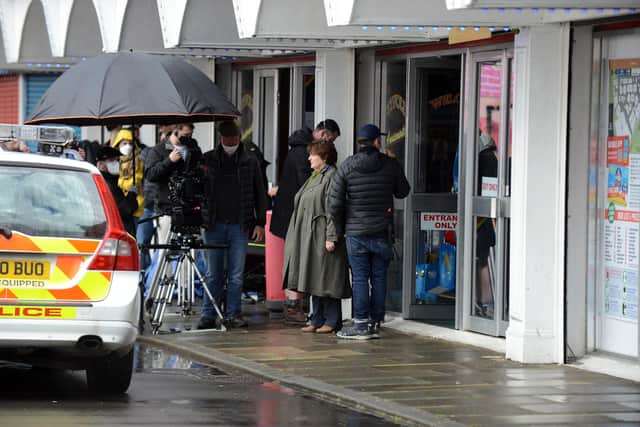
[113, 167]
[230, 149]
[126, 149]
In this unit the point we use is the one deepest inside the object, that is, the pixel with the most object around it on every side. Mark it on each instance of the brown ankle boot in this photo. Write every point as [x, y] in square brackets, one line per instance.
[293, 312]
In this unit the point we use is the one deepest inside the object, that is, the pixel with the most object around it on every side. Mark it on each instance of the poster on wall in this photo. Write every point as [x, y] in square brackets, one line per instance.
[622, 210]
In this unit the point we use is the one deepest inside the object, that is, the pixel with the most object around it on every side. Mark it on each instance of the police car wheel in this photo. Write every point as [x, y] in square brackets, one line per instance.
[110, 374]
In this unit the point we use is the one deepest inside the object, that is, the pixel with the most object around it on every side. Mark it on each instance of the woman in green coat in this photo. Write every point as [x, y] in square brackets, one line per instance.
[315, 258]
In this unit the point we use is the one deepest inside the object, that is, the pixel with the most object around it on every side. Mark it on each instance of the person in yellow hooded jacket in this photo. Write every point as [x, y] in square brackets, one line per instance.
[131, 168]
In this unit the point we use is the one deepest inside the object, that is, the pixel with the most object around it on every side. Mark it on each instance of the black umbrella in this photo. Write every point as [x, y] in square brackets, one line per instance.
[132, 88]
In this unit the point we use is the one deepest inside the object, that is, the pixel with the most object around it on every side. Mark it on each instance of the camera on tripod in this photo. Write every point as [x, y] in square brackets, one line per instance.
[188, 200]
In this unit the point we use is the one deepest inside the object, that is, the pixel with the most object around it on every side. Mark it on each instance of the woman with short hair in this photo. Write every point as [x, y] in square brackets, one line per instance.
[315, 257]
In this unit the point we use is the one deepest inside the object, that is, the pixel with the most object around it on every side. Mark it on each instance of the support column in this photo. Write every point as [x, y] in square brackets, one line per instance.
[204, 132]
[335, 94]
[536, 300]
[335, 99]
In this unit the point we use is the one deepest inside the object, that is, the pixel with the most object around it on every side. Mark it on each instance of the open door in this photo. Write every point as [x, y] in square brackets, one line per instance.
[431, 211]
[487, 192]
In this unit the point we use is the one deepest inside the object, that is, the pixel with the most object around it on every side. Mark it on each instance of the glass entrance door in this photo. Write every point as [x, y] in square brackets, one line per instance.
[266, 105]
[487, 193]
[431, 211]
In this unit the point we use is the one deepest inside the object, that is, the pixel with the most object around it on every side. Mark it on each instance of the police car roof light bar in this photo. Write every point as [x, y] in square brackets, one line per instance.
[49, 134]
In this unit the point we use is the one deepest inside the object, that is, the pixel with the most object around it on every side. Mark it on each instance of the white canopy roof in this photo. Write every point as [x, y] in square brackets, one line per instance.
[56, 33]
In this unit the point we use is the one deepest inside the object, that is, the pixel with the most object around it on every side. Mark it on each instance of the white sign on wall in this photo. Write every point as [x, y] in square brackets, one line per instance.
[489, 186]
[439, 221]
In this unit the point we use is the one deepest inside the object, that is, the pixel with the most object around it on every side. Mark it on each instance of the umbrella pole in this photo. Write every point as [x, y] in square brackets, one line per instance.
[101, 135]
[133, 157]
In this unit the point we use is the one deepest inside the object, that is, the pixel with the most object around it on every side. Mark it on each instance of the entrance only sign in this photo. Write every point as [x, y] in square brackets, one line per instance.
[439, 221]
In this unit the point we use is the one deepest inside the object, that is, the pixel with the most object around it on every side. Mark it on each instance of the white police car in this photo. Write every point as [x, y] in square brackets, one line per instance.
[68, 271]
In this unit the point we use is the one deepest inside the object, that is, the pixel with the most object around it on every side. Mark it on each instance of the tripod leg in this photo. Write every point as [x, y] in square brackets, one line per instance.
[159, 273]
[160, 303]
[192, 287]
[165, 295]
[180, 280]
[205, 287]
[183, 284]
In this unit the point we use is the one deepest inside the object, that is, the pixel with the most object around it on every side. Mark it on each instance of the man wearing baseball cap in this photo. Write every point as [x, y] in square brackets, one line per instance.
[361, 204]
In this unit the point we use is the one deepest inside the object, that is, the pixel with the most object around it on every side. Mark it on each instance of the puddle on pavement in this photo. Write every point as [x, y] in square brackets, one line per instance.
[152, 359]
[156, 360]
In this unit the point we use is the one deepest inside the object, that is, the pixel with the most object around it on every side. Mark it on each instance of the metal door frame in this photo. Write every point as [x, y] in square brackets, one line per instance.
[297, 94]
[498, 208]
[259, 118]
[443, 202]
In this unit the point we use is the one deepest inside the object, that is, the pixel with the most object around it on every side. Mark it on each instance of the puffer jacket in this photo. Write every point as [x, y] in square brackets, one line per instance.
[253, 197]
[362, 192]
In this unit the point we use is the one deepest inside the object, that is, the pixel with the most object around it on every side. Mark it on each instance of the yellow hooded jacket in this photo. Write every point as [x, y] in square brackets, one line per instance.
[127, 170]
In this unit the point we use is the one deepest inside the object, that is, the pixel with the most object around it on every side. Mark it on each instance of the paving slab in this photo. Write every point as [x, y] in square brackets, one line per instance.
[412, 379]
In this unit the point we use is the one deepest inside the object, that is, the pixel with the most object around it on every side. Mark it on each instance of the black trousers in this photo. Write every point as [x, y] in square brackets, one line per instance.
[326, 311]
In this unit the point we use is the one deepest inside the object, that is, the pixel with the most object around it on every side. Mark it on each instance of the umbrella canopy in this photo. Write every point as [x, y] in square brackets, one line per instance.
[132, 88]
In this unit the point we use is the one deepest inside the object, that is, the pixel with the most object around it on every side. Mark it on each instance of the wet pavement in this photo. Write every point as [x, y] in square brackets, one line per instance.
[411, 379]
[169, 390]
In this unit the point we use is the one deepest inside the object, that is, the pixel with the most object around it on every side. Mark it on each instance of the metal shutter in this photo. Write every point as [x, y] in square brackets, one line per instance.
[9, 99]
[35, 86]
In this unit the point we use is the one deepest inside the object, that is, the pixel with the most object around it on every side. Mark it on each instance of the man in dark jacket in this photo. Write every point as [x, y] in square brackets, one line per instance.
[295, 172]
[237, 210]
[108, 162]
[361, 204]
[176, 155]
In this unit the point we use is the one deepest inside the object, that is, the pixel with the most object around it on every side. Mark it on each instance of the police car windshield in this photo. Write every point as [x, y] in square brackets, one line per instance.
[50, 202]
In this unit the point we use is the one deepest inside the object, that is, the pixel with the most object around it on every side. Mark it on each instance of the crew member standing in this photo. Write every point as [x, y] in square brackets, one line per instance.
[361, 204]
[237, 212]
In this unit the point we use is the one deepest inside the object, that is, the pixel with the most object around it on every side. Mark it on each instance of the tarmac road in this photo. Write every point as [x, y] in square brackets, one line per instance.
[166, 390]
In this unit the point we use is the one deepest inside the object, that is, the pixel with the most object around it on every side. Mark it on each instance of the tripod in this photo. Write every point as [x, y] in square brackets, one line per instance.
[175, 271]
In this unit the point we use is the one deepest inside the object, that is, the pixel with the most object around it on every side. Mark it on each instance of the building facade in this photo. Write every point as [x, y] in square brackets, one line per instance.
[517, 125]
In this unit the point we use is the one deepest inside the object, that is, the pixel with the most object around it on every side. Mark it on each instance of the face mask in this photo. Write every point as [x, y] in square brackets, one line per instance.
[113, 167]
[230, 149]
[126, 149]
[184, 152]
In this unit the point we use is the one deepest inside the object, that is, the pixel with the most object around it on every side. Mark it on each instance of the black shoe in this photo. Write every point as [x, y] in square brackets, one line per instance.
[207, 323]
[235, 322]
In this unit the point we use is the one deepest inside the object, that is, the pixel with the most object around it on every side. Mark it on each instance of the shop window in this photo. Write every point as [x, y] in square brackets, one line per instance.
[394, 109]
[245, 105]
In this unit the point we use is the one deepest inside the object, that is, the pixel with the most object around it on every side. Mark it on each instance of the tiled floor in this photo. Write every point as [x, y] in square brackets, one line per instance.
[455, 382]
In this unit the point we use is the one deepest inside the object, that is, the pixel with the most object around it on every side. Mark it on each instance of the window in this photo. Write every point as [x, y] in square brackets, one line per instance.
[50, 202]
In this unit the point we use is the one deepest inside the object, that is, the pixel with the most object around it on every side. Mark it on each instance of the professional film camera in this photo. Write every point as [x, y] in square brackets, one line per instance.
[177, 268]
[187, 196]
[187, 193]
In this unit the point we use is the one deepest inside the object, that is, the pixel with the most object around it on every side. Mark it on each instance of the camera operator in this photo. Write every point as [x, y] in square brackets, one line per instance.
[177, 155]
[237, 212]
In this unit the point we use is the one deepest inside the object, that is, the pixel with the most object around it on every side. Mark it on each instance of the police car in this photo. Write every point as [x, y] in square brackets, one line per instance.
[68, 271]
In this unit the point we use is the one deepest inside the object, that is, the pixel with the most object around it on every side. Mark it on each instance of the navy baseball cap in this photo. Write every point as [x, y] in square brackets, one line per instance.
[369, 132]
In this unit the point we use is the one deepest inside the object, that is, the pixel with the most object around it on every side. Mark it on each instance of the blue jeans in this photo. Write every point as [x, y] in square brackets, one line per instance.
[326, 311]
[144, 234]
[237, 239]
[369, 258]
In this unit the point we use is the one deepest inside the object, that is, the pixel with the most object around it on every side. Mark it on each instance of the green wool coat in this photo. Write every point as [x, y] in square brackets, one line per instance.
[308, 266]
